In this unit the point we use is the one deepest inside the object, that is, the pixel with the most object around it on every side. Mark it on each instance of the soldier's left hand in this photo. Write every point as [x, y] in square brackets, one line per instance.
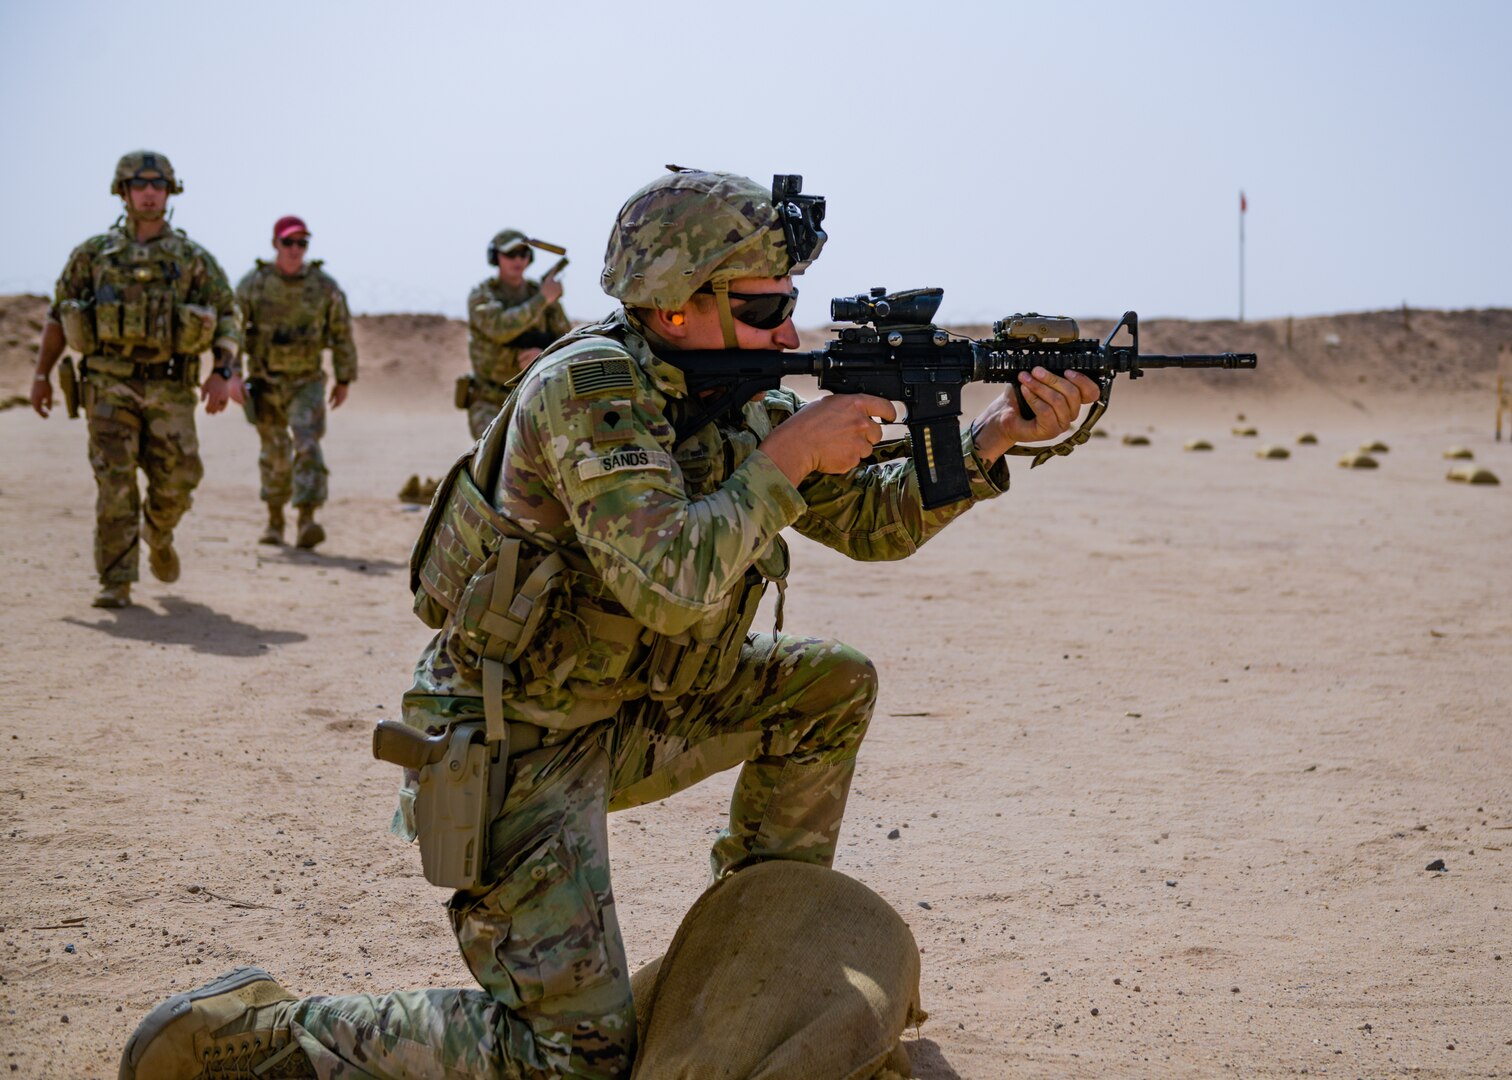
[339, 394]
[215, 393]
[238, 389]
[1056, 401]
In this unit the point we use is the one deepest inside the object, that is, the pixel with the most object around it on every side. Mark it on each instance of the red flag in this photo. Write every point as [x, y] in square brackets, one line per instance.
[1243, 203]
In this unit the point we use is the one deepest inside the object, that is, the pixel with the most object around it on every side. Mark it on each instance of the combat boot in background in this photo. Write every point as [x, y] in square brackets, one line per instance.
[113, 596]
[310, 532]
[162, 560]
[273, 534]
[233, 1027]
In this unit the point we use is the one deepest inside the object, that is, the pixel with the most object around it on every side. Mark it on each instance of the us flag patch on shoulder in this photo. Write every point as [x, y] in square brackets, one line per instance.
[588, 377]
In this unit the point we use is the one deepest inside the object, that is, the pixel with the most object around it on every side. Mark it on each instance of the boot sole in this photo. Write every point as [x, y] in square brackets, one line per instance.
[179, 1005]
[111, 605]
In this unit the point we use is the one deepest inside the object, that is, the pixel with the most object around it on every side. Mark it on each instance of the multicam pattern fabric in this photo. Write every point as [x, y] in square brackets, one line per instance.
[288, 320]
[502, 321]
[291, 420]
[687, 228]
[544, 942]
[132, 293]
[138, 424]
[672, 543]
[136, 162]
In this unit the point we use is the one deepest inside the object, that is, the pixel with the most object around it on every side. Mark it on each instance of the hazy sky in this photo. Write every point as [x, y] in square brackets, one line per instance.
[1070, 157]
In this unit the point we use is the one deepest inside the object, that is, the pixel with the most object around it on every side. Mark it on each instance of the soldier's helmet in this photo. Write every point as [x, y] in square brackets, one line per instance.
[507, 240]
[139, 161]
[687, 229]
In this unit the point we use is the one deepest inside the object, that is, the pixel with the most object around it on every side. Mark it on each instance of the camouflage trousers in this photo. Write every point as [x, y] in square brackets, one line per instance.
[291, 420]
[145, 424]
[544, 941]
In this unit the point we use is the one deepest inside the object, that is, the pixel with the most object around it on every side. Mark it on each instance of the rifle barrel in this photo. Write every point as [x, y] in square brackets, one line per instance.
[1200, 360]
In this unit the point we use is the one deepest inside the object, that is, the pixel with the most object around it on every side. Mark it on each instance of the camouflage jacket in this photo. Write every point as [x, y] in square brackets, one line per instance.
[666, 530]
[131, 296]
[289, 320]
[498, 316]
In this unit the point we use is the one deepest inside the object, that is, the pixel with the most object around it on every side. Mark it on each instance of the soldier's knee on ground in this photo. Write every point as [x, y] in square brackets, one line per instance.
[842, 699]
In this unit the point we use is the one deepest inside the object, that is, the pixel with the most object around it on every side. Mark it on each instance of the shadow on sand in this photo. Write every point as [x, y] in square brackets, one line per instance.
[928, 1062]
[183, 622]
[293, 556]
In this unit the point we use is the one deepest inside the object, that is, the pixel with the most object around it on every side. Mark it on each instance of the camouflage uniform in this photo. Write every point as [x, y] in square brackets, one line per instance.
[141, 355]
[288, 321]
[498, 316]
[673, 532]
[622, 560]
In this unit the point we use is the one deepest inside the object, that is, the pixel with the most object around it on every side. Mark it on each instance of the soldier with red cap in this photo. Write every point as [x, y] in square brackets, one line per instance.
[292, 310]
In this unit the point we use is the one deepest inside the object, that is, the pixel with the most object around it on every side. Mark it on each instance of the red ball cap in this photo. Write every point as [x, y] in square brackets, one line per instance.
[288, 225]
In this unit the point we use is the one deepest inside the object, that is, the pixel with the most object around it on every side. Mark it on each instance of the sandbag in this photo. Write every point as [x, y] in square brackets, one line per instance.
[782, 971]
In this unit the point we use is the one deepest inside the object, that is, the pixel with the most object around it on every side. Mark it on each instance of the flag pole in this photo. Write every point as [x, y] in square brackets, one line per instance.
[1243, 206]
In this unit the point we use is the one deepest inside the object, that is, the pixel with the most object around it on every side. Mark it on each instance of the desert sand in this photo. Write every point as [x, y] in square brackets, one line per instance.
[1166, 740]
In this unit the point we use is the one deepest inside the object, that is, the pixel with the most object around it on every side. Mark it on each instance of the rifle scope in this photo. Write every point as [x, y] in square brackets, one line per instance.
[916, 307]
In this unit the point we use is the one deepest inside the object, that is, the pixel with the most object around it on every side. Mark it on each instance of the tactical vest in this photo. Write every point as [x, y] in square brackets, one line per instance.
[533, 621]
[287, 320]
[138, 312]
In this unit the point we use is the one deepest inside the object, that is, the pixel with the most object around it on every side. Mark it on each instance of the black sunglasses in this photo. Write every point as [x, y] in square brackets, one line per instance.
[139, 183]
[517, 253]
[764, 311]
[295, 241]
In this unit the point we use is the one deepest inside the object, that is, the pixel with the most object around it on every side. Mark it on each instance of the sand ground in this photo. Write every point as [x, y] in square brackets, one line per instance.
[1168, 740]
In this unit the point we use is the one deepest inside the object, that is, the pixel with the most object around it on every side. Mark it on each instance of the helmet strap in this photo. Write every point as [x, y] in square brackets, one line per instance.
[721, 290]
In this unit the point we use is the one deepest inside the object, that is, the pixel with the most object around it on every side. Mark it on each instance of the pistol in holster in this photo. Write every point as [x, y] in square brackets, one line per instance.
[68, 383]
[463, 781]
[252, 392]
[463, 392]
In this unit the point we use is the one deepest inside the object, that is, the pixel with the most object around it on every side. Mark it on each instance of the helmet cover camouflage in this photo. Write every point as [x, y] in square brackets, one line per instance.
[507, 240]
[688, 228]
[139, 161]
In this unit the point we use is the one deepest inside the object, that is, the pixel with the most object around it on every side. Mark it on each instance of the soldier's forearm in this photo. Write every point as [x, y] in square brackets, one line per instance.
[49, 348]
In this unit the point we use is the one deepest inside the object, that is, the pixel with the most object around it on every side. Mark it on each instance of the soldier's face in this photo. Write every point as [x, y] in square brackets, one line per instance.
[291, 252]
[702, 319]
[147, 194]
[512, 264]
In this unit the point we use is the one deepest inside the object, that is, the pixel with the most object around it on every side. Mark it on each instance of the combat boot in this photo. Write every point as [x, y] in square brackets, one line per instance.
[233, 1028]
[162, 560]
[273, 534]
[113, 596]
[310, 532]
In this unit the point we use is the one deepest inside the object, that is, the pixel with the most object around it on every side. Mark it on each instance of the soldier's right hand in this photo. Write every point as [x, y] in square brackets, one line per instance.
[551, 289]
[828, 435]
[42, 397]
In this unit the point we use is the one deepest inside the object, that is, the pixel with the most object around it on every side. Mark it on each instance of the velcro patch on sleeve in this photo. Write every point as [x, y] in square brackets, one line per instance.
[611, 422]
[590, 377]
[627, 460]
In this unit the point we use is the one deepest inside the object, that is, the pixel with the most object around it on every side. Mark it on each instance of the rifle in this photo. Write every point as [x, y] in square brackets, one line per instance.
[895, 351]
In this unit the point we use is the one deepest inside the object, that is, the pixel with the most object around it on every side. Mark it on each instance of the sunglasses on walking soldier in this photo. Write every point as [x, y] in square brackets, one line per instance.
[517, 253]
[763, 311]
[142, 183]
[295, 241]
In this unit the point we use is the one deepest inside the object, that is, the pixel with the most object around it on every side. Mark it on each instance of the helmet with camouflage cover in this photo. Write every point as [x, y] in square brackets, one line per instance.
[507, 240]
[689, 229]
[139, 161]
